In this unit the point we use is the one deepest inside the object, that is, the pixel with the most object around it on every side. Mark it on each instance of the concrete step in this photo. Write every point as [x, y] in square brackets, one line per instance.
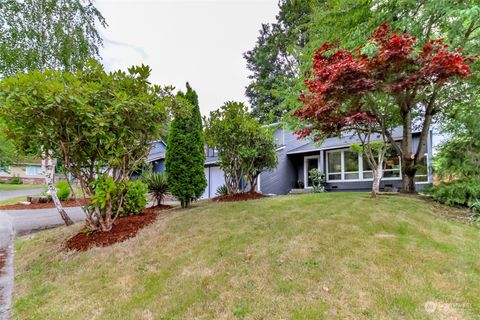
[300, 191]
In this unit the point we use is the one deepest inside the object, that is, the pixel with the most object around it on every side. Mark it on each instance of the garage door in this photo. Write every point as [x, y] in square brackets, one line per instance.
[215, 179]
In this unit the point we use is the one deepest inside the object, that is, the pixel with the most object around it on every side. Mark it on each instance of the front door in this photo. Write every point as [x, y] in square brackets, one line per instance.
[310, 163]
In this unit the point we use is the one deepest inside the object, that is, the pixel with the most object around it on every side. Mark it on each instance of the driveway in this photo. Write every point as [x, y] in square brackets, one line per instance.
[9, 194]
[31, 220]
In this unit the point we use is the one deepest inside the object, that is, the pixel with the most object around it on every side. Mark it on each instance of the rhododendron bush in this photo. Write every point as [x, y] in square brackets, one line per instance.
[392, 80]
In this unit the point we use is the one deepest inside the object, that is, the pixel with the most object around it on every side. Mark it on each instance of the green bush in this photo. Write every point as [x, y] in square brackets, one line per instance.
[222, 190]
[318, 180]
[63, 190]
[457, 192]
[15, 180]
[157, 185]
[108, 193]
[135, 198]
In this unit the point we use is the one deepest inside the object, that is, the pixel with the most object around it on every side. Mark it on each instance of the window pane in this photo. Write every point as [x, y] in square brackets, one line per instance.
[422, 168]
[33, 171]
[391, 174]
[367, 175]
[421, 178]
[350, 176]
[351, 161]
[334, 177]
[334, 162]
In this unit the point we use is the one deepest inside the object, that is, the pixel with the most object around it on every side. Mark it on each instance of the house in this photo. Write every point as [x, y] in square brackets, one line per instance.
[156, 157]
[344, 169]
[29, 170]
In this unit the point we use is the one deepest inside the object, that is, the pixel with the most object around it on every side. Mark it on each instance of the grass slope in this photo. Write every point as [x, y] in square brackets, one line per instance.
[332, 255]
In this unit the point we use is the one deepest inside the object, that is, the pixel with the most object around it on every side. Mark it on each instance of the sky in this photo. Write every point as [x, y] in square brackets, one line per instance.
[198, 41]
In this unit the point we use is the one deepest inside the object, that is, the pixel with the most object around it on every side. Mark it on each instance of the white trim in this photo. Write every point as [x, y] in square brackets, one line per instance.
[303, 151]
[280, 148]
[305, 171]
[360, 169]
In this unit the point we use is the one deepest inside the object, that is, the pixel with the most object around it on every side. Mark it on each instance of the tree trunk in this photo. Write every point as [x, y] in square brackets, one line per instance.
[408, 175]
[377, 175]
[49, 168]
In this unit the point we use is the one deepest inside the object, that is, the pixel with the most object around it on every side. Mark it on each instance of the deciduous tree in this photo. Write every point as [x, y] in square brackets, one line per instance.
[393, 76]
[245, 148]
[101, 124]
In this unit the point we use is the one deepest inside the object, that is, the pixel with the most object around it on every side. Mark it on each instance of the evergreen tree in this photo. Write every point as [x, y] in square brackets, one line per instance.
[185, 156]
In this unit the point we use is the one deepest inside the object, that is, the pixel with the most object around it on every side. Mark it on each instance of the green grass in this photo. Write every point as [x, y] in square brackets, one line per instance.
[332, 255]
[5, 187]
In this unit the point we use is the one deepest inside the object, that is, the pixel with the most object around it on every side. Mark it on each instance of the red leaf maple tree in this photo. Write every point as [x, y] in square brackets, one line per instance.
[397, 82]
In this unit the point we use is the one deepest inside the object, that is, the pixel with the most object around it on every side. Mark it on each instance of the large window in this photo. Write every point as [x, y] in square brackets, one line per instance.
[350, 160]
[348, 165]
[33, 171]
[334, 165]
[422, 170]
[342, 165]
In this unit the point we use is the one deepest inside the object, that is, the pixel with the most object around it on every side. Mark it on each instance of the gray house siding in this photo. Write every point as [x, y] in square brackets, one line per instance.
[282, 179]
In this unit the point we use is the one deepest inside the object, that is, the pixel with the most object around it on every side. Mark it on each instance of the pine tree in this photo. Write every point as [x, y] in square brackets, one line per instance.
[185, 156]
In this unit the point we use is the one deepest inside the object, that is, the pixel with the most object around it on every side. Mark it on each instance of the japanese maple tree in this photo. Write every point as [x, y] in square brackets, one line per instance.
[392, 80]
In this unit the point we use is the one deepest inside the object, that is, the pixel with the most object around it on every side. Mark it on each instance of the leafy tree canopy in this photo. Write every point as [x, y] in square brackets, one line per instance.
[392, 75]
[38, 34]
[245, 148]
[351, 21]
[97, 122]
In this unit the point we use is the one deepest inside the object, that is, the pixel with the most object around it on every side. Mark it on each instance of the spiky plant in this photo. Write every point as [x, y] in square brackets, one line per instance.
[157, 185]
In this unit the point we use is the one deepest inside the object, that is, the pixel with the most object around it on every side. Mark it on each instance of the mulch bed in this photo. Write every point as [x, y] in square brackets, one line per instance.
[239, 197]
[66, 204]
[123, 229]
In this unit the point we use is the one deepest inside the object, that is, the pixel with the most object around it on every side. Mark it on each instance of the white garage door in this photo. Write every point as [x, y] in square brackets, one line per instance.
[215, 179]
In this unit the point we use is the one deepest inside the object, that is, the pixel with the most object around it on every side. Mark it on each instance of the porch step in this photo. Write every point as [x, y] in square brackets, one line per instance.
[300, 191]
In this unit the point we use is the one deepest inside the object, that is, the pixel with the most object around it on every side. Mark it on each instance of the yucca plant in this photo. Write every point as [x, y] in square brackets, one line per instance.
[157, 185]
[222, 190]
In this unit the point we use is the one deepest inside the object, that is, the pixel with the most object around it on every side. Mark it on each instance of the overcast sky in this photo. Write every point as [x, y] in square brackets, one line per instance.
[198, 41]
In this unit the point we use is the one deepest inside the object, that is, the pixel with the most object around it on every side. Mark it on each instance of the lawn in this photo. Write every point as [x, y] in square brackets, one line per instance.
[4, 187]
[332, 255]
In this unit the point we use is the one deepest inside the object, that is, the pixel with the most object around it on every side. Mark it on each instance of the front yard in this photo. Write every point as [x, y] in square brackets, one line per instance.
[332, 255]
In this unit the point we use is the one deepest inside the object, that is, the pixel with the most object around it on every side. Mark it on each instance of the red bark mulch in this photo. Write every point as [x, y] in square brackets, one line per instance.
[66, 204]
[239, 197]
[123, 229]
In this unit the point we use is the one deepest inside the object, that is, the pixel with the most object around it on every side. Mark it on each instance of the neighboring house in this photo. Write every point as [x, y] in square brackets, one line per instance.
[344, 169]
[28, 170]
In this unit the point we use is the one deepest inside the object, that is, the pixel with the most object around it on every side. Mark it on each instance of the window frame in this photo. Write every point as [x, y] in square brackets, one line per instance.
[360, 168]
[37, 173]
[305, 169]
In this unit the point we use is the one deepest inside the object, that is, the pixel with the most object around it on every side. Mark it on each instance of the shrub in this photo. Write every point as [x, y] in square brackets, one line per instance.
[135, 198]
[318, 180]
[457, 192]
[157, 185]
[222, 190]
[63, 190]
[15, 180]
[108, 194]
[476, 211]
